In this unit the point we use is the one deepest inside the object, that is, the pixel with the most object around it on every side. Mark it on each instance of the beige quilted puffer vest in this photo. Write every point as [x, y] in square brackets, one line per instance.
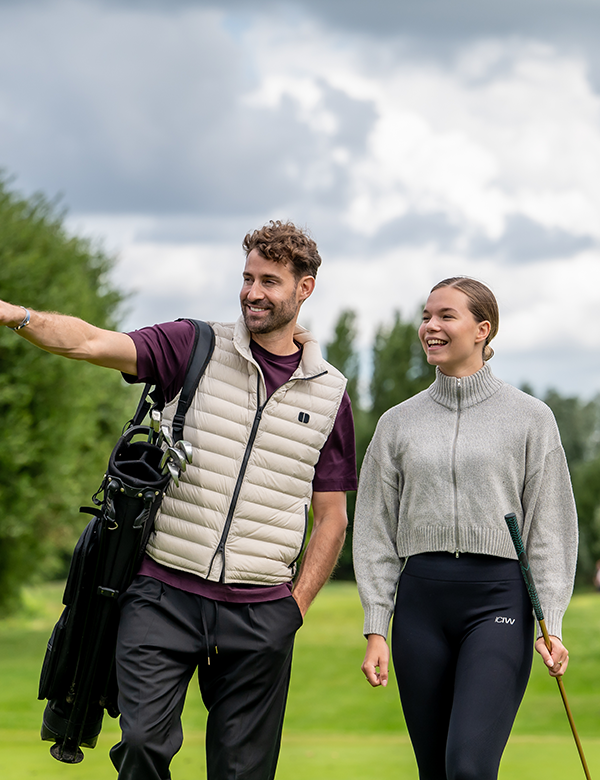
[240, 512]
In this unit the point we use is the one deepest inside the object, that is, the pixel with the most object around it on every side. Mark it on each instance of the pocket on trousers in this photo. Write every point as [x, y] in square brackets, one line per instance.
[297, 615]
[275, 622]
[143, 588]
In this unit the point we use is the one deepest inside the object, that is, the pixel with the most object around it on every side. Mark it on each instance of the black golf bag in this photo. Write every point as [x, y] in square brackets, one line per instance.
[78, 674]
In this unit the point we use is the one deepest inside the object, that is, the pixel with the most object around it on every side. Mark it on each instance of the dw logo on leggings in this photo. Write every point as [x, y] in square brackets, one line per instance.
[505, 620]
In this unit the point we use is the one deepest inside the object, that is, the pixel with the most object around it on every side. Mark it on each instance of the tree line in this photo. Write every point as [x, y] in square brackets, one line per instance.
[60, 419]
[400, 370]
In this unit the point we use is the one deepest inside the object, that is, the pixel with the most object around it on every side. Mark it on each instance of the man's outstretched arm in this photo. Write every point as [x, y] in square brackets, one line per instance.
[326, 541]
[73, 338]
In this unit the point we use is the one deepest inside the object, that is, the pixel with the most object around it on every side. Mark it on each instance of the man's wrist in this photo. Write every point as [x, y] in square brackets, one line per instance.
[302, 602]
[24, 321]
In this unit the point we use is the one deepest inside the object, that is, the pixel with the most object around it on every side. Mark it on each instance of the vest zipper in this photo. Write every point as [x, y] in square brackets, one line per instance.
[454, 480]
[242, 472]
[238, 486]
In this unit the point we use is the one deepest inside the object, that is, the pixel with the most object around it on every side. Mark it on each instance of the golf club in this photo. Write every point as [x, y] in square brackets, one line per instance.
[178, 457]
[155, 418]
[513, 527]
[163, 461]
[175, 455]
[174, 472]
[186, 448]
[166, 435]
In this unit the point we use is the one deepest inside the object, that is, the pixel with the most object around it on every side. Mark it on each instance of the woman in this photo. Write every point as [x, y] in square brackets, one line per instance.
[441, 472]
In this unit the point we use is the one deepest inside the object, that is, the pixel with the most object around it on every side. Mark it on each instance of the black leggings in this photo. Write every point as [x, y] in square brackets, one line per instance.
[462, 643]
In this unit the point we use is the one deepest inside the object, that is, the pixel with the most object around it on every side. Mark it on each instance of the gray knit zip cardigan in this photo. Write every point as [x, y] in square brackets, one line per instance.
[443, 469]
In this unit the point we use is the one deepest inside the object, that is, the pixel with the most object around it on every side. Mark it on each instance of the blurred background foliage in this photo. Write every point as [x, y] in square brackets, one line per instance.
[60, 418]
[399, 369]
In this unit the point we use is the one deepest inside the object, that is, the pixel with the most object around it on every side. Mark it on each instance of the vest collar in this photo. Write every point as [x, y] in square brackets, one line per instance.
[311, 362]
[473, 389]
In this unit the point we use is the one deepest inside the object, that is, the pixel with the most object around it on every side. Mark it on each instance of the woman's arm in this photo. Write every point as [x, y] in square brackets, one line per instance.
[550, 535]
[376, 562]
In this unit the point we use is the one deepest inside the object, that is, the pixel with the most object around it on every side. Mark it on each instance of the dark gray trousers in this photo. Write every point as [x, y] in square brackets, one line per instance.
[164, 635]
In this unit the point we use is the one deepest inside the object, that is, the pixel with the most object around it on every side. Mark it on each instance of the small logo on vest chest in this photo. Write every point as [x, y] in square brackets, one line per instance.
[304, 417]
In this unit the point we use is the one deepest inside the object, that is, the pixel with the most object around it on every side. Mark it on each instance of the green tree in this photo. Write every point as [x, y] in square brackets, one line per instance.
[400, 368]
[586, 486]
[60, 418]
[341, 352]
[579, 425]
[578, 422]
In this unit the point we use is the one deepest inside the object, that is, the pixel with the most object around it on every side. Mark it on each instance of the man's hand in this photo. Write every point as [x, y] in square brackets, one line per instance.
[73, 338]
[377, 658]
[557, 660]
[326, 541]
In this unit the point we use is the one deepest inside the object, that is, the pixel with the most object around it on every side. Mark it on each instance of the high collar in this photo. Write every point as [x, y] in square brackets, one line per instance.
[473, 389]
[311, 362]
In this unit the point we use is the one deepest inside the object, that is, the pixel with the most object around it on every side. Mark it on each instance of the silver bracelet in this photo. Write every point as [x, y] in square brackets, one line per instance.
[25, 320]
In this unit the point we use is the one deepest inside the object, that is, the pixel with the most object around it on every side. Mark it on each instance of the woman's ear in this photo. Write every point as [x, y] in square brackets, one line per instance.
[483, 331]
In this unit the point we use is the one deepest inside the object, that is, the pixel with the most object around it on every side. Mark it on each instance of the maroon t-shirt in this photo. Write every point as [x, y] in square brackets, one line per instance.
[163, 353]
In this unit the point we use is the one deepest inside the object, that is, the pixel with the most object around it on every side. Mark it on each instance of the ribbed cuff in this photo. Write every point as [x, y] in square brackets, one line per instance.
[553, 620]
[377, 620]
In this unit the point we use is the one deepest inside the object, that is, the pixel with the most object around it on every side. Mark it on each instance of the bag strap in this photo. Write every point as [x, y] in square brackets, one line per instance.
[204, 344]
[144, 405]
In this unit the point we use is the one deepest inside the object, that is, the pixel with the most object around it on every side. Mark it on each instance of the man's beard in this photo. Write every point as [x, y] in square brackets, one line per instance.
[278, 316]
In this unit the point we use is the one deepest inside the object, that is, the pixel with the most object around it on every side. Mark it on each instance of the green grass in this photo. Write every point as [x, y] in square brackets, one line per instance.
[337, 726]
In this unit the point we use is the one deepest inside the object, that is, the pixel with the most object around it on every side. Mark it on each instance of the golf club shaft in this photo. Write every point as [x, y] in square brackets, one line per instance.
[513, 527]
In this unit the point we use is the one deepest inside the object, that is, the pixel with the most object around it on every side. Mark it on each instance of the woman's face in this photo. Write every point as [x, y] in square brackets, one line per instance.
[450, 335]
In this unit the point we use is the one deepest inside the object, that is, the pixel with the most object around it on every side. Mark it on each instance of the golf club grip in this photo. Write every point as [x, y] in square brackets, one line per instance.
[515, 534]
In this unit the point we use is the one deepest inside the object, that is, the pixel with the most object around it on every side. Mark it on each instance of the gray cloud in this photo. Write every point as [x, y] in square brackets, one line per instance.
[123, 109]
[524, 240]
[127, 109]
[411, 230]
[112, 111]
[572, 369]
[460, 18]
[439, 19]
[122, 114]
[435, 28]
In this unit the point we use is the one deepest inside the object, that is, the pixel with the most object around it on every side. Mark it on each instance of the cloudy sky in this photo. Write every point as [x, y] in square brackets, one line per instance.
[416, 138]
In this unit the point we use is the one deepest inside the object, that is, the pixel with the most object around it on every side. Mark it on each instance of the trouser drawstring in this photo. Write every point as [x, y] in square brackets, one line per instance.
[209, 637]
[214, 637]
[205, 632]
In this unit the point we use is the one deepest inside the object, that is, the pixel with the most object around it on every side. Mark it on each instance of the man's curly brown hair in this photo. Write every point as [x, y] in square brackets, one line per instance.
[283, 242]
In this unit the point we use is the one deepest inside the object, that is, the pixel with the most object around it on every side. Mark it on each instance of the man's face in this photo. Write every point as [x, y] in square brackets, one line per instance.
[270, 296]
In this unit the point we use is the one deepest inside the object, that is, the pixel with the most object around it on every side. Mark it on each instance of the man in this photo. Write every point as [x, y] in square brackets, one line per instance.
[271, 427]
